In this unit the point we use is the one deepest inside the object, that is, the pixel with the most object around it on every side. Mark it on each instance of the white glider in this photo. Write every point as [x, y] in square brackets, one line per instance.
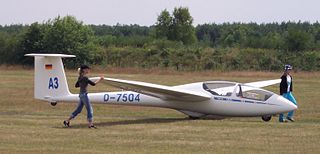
[197, 100]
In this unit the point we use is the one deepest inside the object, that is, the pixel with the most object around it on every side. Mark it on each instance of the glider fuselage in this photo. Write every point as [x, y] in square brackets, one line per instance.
[217, 105]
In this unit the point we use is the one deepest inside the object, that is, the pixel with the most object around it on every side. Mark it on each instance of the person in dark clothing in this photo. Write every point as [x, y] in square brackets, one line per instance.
[286, 91]
[83, 82]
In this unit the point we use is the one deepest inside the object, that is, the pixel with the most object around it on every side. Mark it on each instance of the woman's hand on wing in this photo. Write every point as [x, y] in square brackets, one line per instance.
[101, 77]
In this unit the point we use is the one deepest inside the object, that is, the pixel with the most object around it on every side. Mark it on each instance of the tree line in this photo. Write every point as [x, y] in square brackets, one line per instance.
[172, 42]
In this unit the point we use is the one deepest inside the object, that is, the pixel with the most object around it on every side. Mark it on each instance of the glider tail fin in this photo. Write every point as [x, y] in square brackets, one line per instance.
[49, 77]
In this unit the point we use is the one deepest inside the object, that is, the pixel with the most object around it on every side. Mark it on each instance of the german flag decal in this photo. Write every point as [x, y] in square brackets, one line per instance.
[48, 66]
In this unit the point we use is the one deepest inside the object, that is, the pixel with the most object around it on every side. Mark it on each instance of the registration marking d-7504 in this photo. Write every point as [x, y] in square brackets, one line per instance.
[122, 97]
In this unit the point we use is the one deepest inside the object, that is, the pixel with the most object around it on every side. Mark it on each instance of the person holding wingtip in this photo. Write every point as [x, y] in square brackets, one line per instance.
[83, 82]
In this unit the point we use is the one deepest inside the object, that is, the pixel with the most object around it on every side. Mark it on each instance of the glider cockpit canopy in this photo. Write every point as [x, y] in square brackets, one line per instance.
[223, 88]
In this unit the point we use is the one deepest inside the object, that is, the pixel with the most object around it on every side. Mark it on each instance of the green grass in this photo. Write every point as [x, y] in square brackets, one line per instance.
[31, 126]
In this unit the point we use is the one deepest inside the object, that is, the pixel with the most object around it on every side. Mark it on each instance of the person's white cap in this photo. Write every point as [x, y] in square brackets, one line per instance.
[287, 67]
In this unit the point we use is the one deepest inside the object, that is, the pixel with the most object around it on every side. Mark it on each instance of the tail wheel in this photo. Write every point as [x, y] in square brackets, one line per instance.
[266, 118]
[53, 103]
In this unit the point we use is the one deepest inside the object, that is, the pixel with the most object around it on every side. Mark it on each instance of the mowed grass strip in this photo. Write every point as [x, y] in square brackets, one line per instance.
[31, 126]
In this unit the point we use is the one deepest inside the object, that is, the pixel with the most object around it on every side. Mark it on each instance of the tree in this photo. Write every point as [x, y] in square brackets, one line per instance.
[3, 48]
[33, 40]
[297, 40]
[182, 26]
[68, 35]
[163, 25]
[208, 34]
[62, 35]
[177, 27]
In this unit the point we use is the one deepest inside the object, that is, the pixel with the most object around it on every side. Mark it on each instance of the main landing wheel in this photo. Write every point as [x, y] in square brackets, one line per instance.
[266, 118]
[53, 103]
[193, 118]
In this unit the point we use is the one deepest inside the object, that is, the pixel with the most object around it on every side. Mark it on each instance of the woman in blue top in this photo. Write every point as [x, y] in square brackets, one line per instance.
[83, 82]
[286, 92]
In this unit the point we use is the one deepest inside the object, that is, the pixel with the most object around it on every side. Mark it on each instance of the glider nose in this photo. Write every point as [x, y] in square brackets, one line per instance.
[286, 105]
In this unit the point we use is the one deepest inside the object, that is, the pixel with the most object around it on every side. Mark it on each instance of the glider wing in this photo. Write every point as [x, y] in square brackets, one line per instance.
[155, 90]
[260, 84]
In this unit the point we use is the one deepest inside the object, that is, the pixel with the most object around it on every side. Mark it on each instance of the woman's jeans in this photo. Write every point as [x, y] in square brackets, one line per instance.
[84, 100]
[290, 97]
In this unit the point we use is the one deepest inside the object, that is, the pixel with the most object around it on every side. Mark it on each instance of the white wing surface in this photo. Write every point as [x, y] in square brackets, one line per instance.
[260, 84]
[155, 90]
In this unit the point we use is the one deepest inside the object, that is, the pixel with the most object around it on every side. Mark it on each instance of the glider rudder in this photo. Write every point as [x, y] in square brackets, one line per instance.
[49, 76]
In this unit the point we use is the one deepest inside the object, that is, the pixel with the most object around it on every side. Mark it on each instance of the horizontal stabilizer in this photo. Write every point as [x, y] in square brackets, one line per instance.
[49, 55]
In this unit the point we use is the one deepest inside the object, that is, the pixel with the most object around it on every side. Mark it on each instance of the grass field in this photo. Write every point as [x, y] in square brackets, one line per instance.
[31, 126]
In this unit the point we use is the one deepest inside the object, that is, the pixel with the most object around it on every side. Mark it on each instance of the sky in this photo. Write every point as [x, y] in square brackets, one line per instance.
[145, 12]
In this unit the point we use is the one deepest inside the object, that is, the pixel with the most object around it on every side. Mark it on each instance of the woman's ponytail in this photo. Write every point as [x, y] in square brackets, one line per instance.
[80, 71]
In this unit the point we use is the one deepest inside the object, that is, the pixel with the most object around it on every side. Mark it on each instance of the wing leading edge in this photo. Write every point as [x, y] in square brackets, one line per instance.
[155, 90]
[260, 84]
